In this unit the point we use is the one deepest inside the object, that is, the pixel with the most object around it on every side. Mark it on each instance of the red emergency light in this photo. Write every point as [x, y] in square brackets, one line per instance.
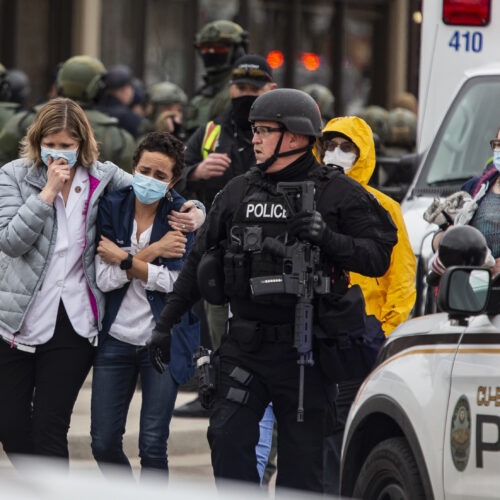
[275, 59]
[310, 61]
[466, 12]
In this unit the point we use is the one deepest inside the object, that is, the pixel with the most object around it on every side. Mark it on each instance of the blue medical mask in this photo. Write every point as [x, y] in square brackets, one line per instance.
[496, 159]
[148, 190]
[70, 155]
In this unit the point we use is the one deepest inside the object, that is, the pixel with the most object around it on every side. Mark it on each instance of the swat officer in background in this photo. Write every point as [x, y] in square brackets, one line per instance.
[80, 78]
[257, 359]
[219, 44]
[165, 104]
[14, 90]
[117, 99]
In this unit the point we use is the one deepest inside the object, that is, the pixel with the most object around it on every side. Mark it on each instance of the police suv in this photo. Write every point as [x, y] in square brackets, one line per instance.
[426, 421]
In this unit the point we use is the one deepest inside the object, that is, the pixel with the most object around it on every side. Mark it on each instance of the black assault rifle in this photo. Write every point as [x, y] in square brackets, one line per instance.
[301, 276]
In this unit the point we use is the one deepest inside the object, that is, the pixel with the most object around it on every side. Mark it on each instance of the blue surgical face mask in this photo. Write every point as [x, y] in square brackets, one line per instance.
[70, 155]
[148, 190]
[496, 158]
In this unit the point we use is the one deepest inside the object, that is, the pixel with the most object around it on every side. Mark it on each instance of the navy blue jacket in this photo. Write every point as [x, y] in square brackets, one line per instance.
[115, 221]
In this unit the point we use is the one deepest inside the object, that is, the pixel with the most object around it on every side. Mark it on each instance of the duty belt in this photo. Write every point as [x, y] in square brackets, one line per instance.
[280, 334]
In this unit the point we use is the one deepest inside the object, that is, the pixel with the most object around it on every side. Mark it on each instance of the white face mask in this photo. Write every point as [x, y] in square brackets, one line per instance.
[338, 157]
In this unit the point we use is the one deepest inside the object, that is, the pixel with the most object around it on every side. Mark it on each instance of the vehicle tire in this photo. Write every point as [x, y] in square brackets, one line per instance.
[389, 473]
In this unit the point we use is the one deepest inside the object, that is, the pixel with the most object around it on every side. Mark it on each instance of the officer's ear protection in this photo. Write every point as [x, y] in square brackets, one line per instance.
[241, 48]
[95, 88]
[5, 90]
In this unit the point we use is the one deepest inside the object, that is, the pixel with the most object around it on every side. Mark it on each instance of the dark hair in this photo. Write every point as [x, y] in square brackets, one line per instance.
[165, 143]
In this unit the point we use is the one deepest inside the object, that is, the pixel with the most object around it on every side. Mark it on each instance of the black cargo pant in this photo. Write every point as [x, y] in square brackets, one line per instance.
[270, 373]
[39, 390]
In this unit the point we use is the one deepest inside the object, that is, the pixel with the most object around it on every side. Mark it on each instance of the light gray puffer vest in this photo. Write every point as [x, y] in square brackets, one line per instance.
[28, 231]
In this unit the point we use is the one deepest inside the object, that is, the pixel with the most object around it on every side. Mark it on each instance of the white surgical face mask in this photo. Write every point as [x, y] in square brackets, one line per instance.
[338, 157]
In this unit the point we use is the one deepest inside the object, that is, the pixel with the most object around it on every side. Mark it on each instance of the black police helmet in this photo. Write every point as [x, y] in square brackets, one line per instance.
[118, 76]
[296, 110]
[19, 85]
[462, 246]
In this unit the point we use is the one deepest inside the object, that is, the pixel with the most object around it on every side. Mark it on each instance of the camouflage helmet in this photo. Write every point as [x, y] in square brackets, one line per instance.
[376, 117]
[406, 100]
[221, 31]
[81, 78]
[166, 93]
[401, 128]
[323, 96]
[296, 110]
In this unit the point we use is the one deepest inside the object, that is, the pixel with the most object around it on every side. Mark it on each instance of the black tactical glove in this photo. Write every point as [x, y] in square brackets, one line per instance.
[159, 349]
[308, 226]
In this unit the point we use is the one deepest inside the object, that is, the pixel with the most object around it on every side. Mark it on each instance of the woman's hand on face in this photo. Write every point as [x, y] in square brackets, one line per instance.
[172, 245]
[58, 173]
[109, 252]
[188, 219]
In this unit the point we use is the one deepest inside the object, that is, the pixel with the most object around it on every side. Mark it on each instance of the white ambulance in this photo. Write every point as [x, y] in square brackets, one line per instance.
[459, 111]
[426, 422]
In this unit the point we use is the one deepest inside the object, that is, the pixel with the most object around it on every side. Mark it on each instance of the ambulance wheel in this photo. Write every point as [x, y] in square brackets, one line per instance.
[389, 473]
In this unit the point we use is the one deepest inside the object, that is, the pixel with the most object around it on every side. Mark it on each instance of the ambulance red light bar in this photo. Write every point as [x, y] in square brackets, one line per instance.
[466, 12]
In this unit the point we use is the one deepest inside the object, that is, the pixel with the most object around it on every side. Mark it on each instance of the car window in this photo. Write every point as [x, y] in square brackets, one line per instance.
[461, 148]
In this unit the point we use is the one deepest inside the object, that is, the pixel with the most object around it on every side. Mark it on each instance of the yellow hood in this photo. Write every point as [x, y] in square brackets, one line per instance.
[361, 134]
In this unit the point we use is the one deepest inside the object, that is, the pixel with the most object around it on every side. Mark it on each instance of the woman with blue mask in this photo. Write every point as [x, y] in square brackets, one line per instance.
[483, 210]
[139, 256]
[51, 307]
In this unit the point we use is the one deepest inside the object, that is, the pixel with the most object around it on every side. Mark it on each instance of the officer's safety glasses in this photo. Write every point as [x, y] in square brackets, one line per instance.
[495, 144]
[346, 146]
[264, 131]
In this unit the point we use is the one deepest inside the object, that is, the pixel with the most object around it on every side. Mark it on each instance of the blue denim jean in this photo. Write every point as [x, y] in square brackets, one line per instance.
[263, 448]
[117, 366]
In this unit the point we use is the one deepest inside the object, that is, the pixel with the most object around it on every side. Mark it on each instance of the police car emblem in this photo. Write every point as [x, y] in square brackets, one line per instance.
[460, 434]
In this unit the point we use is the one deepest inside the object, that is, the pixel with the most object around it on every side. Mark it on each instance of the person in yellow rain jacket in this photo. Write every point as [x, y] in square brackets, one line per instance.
[347, 142]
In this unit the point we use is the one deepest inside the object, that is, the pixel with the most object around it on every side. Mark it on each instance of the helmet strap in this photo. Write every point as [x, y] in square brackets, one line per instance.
[266, 164]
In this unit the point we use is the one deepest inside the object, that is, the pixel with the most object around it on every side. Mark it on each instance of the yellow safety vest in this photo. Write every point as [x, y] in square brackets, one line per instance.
[209, 143]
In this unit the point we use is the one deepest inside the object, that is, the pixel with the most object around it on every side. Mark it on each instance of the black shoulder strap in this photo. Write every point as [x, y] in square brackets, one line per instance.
[255, 178]
[321, 177]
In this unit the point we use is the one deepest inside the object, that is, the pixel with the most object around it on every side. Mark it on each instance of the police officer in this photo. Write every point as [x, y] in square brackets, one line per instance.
[324, 97]
[219, 43]
[165, 103]
[80, 78]
[118, 97]
[7, 107]
[218, 151]
[257, 359]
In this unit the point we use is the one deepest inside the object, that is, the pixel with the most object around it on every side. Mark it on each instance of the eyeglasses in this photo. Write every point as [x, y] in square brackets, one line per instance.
[495, 144]
[256, 73]
[346, 146]
[264, 131]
